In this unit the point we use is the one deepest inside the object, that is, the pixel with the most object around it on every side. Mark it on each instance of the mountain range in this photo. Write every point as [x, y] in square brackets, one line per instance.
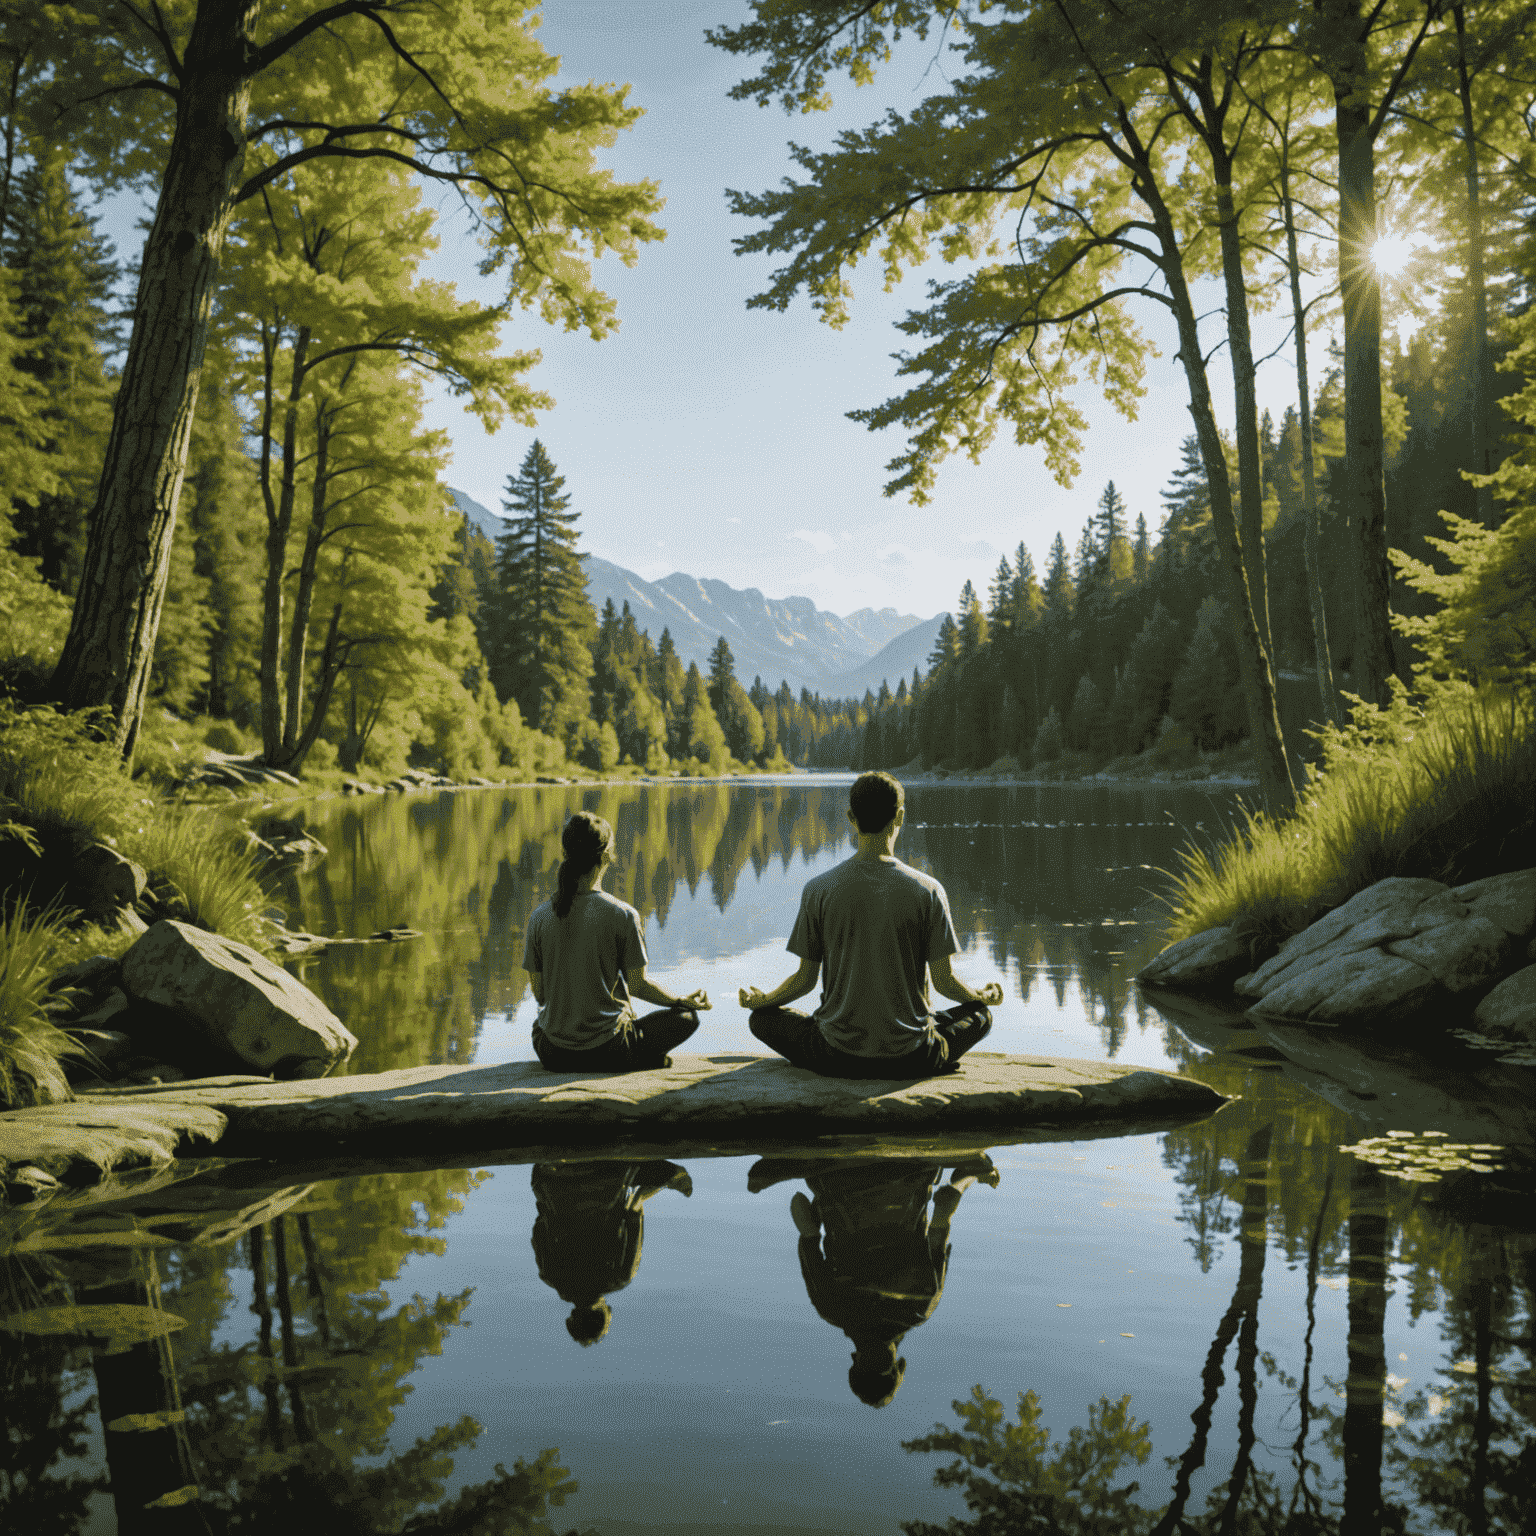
[785, 639]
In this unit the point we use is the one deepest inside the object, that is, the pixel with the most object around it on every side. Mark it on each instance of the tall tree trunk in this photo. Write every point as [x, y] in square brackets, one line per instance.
[1360, 479]
[1250, 464]
[12, 96]
[1477, 284]
[279, 525]
[149, 1459]
[1311, 528]
[1365, 1386]
[1275, 784]
[304, 593]
[107, 655]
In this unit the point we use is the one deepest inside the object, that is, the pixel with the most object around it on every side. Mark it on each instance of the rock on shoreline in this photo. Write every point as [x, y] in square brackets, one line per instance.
[1400, 951]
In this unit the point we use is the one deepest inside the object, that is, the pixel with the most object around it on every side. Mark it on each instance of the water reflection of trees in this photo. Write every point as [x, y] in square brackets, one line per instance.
[1056, 881]
[469, 869]
[1458, 1454]
[265, 1401]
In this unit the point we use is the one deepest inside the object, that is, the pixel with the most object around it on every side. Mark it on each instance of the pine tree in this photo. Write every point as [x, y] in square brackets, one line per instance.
[1028, 600]
[1108, 528]
[1141, 551]
[543, 627]
[971, 623]
[65, 275]
[1059, 590]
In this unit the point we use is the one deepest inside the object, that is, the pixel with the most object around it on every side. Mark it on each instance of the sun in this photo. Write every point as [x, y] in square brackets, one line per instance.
[1391, 254]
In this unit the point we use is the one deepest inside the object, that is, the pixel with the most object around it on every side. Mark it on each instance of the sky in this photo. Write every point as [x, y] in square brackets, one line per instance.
[707, 438]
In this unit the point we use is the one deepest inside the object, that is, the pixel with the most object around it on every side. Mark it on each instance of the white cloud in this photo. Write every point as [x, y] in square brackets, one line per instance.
[818, 538]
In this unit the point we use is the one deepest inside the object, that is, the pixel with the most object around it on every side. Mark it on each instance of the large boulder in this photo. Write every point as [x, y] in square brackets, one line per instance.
[239, 1001]
[1509, 1011]
[1212, 959]
[1397, 948]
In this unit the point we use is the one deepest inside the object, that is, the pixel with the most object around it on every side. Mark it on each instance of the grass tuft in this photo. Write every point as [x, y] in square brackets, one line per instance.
[1447, 796]
[204, 867]
[31, 1045]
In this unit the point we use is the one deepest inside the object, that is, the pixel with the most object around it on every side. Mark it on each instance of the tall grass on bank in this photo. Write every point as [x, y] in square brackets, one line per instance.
[31, 1045]
[1447, 795]
[60, 779]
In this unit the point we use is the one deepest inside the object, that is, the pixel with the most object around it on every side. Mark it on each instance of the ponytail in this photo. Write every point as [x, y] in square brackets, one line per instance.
[586, 839]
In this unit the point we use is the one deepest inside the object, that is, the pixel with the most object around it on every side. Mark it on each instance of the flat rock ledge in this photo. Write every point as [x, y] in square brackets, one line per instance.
[445, 1110]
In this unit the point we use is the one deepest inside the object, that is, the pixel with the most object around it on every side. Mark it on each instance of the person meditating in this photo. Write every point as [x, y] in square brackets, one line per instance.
[871, 928]
[585, 958]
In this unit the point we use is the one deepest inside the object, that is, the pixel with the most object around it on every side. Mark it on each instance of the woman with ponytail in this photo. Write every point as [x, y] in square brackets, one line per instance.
[585, 956]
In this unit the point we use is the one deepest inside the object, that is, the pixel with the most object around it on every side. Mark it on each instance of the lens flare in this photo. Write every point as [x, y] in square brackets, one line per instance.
[1390, 254]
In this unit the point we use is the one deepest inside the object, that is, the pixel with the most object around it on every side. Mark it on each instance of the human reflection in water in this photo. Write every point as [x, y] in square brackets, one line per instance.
[587, 1235]
[873, 1258]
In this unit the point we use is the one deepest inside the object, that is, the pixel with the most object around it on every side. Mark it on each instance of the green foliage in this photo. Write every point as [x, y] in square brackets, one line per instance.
[538, 627]
[32, 1047]
[64, 274]
[1017, 1481]
[62, 780]
[1448, 795]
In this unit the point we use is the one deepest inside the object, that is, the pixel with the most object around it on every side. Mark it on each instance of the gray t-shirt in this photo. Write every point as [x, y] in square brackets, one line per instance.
[874, 924]
[583, 957]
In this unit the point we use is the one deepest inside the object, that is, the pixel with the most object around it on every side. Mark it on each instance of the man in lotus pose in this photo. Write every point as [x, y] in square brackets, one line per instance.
[871, 928]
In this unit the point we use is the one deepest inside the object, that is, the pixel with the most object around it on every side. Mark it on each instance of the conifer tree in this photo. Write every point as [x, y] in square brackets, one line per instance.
[970, 623]
[65, 274]
[1058, 582]
[542, 627]
[1108, 528]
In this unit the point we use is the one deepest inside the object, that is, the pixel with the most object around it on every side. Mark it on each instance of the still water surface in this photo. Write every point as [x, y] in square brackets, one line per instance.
[1260, 1331]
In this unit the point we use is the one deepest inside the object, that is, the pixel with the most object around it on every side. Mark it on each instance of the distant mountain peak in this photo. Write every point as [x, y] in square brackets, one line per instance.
[787, 639]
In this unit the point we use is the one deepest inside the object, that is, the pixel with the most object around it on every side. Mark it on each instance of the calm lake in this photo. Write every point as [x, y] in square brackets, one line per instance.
[1262, 1332]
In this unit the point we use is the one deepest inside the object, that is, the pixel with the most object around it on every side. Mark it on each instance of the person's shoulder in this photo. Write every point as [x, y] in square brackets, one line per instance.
[828, 879]
[541, 913]
[616, 907]
[916, 877]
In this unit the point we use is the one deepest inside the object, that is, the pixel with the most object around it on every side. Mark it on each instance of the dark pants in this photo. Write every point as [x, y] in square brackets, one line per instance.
[638, 1046]
[798, 1039]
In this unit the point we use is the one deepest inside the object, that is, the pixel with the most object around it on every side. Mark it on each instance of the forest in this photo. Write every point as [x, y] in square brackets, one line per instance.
[309, 595]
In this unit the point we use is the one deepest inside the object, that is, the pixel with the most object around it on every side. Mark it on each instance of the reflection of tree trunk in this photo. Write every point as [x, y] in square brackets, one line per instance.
[148, 1457]
[1365, 1388]
[1482, 1429]
[1304, 1396]
[301, 1428]
[1243, 1308]
[314, 1280]
[263, 1310]
[1250, 1285]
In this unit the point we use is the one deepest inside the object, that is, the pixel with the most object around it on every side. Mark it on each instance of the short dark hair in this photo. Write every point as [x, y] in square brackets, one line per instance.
[874, 800]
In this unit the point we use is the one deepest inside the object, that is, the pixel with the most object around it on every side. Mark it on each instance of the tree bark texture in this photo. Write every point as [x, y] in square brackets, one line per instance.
[1250, 465]
[1477, 285]
[279, 523]
[107, 654]
[1311, 530]
[1258, 681]
[1360, 480]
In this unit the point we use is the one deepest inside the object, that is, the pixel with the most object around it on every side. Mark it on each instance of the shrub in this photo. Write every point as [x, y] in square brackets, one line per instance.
[226, 736]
